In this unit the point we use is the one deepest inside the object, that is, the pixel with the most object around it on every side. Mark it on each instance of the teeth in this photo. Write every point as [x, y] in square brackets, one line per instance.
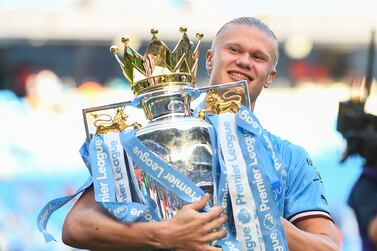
[239, 76]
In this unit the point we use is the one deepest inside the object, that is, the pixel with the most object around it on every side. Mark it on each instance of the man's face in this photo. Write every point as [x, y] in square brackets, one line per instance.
[246, 53]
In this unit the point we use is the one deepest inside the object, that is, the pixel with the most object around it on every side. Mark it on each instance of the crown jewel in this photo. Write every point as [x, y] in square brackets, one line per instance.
[160, 66]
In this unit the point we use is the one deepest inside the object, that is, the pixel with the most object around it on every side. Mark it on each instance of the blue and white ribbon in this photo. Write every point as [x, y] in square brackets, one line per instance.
[277, 172]
[102, 172]
[242, 156]
[247, 157]
[111, 182]
[128, 212]
[54, 205]
[263, 159]
[244, 209]
[120, 175]
[162, 172]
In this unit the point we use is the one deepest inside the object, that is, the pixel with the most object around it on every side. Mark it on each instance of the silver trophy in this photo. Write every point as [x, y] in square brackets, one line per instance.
[163, 84]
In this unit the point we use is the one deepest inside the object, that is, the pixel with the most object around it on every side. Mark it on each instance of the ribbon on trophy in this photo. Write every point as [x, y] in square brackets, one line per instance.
[102, 169]
[276, 170]
[112, 171]
[253, 193]
[111, 182]
[161, 171]
[105, 160]
[258, 228]
[251, 201]
[54, 205]
[248, 178]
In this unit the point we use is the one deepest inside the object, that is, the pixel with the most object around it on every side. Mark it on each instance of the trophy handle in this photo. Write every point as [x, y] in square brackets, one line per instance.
[224, 98]
[101, 120]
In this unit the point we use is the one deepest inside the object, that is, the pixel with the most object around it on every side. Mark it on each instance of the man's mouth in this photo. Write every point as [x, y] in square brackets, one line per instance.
[239, 76]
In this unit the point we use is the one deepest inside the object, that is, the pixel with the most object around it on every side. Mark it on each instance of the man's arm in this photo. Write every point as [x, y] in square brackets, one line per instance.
[311, 234]
[89, 226]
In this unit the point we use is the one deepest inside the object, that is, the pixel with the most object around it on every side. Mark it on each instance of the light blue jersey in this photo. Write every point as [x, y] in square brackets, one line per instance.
[304, 194]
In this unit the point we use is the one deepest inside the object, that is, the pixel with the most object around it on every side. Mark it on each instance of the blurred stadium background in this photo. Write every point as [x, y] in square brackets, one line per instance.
[55, 61]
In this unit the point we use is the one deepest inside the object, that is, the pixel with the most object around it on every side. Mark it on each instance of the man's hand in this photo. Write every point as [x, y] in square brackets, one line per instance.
[89, 226]
[191, 230]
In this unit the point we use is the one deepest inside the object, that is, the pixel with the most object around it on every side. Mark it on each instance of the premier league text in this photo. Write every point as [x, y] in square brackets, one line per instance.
[160, 173]
[101, 168]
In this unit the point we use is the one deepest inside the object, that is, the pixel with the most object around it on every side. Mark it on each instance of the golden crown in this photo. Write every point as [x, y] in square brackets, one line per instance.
[160, 66]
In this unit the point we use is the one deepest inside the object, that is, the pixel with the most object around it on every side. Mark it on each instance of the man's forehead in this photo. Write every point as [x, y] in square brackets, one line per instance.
[233, 28]
[227, 36]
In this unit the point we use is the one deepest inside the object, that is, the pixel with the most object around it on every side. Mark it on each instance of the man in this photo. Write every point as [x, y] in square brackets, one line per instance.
[243, 49]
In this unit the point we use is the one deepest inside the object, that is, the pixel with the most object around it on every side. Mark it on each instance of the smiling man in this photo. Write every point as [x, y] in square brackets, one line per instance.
[243, 49]
[247, 49]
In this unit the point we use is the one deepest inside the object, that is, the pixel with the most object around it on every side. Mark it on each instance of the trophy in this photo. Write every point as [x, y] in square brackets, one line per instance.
[149, 171]
[163, 82]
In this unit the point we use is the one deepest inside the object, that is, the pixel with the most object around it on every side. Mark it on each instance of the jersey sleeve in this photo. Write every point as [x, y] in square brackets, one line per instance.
[304, 196]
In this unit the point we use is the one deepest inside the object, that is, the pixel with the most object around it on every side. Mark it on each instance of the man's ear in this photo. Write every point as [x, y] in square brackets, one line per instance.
[209, 60]
[271, 76]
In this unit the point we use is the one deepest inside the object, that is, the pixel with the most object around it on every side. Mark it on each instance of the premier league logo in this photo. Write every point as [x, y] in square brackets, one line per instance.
[120, 211]
[243, 216]
[269, 222]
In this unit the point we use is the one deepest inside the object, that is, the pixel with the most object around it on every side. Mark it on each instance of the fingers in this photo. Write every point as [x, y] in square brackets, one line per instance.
[216, 223]
[214, 213]
[214, 249]
[202, 248]
[197, 205]
[214, 235]
[214, 229]
[213, 216]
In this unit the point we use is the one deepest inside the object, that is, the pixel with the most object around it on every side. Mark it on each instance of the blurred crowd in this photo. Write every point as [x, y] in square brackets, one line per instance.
[41, 134]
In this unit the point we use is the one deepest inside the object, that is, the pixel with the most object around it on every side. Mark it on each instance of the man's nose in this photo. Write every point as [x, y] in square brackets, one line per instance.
[244, 61]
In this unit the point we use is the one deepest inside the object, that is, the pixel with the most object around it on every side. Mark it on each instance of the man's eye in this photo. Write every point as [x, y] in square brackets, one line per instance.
[234, 50]
[258, 57]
